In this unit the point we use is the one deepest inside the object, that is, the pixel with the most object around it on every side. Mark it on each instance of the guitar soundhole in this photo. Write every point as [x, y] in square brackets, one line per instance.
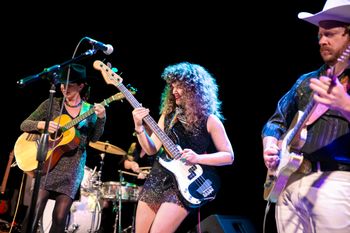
[53, 136]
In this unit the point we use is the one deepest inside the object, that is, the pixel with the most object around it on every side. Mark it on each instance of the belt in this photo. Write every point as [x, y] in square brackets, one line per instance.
[308, 166]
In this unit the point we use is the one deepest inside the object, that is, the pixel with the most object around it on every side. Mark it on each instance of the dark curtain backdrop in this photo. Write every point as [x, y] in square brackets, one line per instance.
[255, 50]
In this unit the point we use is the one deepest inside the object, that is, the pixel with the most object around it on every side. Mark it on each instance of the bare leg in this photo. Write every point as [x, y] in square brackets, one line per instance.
[168, 218]
[144, 217]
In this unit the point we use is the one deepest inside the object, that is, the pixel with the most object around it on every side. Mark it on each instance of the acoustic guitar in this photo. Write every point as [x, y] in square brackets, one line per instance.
[26, 146]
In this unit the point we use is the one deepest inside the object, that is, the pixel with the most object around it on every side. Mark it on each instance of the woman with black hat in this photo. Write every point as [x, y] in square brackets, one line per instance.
[62, 179]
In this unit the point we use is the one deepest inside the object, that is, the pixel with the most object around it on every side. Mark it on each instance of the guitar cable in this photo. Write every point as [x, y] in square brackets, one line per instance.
[13, 222]
[199, 230]
[267, 209]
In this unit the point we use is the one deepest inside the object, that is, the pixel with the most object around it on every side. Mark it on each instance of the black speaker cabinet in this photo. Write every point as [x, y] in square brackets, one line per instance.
[225, 224]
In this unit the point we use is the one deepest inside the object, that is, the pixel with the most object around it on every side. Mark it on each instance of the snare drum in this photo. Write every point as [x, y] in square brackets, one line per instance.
[130, 192]
[110, 189]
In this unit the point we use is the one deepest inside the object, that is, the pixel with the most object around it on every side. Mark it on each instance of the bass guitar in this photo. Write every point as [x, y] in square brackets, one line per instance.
[291, 143]
[26, 146]
[196, 184]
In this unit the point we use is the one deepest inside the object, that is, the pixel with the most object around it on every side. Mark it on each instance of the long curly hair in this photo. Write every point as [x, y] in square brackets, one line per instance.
[200, 93]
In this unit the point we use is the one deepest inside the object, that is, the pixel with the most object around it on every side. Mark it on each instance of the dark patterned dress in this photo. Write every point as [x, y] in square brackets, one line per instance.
[160, 186]
[68, 173]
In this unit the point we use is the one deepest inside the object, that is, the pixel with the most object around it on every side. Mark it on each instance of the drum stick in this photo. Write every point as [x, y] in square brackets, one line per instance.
[129, 173]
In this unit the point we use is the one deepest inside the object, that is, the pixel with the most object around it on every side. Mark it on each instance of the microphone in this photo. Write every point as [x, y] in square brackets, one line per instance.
[106, 48]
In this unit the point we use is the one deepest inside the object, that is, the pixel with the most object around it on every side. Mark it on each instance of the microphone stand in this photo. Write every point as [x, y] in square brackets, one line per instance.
[45, 74]
[51, 73]
[41, 155]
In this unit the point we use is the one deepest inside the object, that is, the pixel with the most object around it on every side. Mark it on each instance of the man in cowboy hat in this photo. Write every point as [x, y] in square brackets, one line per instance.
[316, 165]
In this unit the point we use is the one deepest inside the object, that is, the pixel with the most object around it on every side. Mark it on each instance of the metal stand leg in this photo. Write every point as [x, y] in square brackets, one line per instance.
[120, 211]
[118, 216]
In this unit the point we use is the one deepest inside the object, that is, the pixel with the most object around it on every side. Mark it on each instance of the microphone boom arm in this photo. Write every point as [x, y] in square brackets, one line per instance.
[50, 72]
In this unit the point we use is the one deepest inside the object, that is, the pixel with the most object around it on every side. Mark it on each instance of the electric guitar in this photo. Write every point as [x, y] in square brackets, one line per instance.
[26, 146]
[4, 201]
[291, 143]
[196, 184]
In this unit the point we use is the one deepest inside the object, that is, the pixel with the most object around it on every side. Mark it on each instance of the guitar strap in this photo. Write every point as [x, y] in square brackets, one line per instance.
[84, 108]
[173, 120]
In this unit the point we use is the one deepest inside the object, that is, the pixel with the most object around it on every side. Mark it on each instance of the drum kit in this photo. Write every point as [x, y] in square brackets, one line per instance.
[85, 214]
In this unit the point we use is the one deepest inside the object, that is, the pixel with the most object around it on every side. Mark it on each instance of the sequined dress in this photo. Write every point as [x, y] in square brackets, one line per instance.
[68, 173]
[160, 185]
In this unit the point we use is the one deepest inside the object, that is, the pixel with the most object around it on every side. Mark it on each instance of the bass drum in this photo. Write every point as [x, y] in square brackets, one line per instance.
[85, 215]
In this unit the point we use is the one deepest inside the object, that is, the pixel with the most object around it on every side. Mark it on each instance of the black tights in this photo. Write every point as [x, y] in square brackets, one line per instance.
[60, 211]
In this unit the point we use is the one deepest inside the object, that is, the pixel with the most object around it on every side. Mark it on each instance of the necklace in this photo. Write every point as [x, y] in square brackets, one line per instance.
[73, 106]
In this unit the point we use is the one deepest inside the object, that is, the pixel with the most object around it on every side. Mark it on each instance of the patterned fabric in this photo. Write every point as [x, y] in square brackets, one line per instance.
[160, 186]
[68, 173]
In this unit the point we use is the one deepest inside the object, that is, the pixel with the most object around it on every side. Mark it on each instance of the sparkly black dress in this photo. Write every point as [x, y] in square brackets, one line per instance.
[68, 173]
[160, 186]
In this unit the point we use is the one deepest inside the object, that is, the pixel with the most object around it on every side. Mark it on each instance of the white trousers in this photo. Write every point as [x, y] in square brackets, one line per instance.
[315, 203]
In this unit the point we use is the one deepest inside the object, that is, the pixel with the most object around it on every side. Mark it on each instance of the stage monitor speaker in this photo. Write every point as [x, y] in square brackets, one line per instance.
[226, 224]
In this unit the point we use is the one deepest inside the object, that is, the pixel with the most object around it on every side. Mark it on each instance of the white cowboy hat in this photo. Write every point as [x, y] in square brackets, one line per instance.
[338, 10]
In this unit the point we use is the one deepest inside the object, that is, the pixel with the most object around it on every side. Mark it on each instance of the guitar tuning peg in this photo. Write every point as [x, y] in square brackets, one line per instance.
[108, 64]
[131, 88]
[115, 70]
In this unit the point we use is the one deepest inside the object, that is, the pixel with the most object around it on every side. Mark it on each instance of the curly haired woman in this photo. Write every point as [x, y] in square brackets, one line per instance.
[191, 118]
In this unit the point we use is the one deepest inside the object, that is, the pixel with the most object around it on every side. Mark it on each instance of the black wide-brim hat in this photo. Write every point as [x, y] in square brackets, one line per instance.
[76, 72]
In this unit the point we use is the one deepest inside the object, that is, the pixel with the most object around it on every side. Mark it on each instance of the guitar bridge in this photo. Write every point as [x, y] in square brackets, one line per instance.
[205, 189]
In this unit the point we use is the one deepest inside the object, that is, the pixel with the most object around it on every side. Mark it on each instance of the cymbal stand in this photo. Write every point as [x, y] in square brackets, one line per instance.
[99, 173]
[118, 216]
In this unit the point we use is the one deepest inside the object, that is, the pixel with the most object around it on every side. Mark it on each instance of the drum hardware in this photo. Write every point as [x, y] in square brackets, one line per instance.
[89, 180]
[118, 207]
[118, 216]
[99, 174]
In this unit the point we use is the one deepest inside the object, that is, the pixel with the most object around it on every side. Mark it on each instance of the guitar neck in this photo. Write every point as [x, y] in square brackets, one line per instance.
[90, 112]
[7, 172]
[166, 141]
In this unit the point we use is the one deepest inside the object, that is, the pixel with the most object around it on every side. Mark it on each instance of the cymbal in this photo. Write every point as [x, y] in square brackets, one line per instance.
[107, 148]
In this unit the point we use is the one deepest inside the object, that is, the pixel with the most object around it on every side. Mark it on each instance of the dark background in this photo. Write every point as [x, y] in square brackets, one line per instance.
[256, 51]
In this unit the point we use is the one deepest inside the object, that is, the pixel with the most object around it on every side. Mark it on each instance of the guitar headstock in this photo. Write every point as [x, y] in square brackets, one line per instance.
[108, 74]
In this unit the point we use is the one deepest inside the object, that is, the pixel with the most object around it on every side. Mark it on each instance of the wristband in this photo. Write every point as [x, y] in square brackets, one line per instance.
[140, 132]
